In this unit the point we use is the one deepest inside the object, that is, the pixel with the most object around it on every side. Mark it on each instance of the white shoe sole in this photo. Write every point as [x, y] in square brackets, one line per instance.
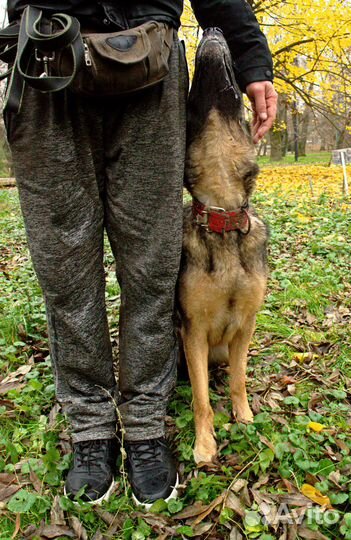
[147, 506]
[104, 497]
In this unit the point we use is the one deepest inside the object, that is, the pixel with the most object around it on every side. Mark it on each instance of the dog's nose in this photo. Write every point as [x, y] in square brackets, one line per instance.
[212, 29]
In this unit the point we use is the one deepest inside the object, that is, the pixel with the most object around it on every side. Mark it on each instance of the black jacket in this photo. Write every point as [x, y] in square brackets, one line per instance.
[253, 61]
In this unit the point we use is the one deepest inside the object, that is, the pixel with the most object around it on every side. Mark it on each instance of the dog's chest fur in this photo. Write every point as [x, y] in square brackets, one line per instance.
[221, 277]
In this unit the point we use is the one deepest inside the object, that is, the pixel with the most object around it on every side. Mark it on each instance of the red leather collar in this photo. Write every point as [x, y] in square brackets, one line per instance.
[219, 220]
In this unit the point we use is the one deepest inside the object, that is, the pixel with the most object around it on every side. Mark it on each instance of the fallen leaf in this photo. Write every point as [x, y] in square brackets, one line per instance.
[35, 481]
[78, 528]
[233, 502]
[208, 509]
[263, 480]
[268, 443]
[107, 517]
[14, 385]
[98, 535]
[235, 534]
[238, 485]
[203, 528]
[56, 514]
[55, 531]
[190, 511]
[316, 426]
[316, 496]
[7, 492]
[17, 526]
[303, 356]
[7, 478]
[289, 486]
[308, 534]
[292, 531]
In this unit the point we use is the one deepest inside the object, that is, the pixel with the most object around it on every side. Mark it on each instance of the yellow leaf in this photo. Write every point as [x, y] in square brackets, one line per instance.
[315, 426]
[302, 218]
[316, 496]
[302, 356]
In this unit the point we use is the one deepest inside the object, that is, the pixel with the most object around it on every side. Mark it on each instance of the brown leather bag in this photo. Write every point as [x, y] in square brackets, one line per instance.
[120, 62]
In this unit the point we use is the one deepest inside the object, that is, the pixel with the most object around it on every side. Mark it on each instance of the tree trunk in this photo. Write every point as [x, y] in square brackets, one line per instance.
[278, 135]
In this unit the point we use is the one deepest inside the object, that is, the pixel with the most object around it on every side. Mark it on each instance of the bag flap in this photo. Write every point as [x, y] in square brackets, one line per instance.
[126, 47]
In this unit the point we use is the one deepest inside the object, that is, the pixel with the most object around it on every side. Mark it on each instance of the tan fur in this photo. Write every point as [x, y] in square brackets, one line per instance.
[219, 305]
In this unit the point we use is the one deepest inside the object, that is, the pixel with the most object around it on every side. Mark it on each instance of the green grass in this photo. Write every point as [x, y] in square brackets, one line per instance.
[299, 372]
[315, 158]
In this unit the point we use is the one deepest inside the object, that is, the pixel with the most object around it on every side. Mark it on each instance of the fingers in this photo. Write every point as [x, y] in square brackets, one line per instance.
[263, 98]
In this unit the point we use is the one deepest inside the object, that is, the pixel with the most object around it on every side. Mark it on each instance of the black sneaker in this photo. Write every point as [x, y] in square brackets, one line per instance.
[151, 471]
[94, 468]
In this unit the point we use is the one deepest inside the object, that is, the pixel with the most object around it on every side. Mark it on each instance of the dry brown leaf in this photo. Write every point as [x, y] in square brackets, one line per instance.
[291, 388]
[106, 517]
[7, 478]
[235, 534]
[245, 497]
[315, 400]
[342, 445]
[53, 414]
[208, 509]
[35, 481]
[289, 486]
[30, 531]
[190, 511]
[17, 526]
[159, 523]
[78, 528]
[294, 499]
[238, 485]
[19, 373]
[57, 516]
[285, 380]
[267, 507]
[262, 481]
[233, 502]
[54, 531]
[292, 532]
[256, 404]
[6, 387]
[98, 535]
[7, 492]
[203, 528]
[268, 443]
[335, 478]
[311, 535]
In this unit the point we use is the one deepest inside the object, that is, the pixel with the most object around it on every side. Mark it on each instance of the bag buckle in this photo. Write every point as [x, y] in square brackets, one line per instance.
[45, 59]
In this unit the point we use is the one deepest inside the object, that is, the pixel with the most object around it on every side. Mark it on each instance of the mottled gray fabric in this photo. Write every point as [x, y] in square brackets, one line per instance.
[82, 165]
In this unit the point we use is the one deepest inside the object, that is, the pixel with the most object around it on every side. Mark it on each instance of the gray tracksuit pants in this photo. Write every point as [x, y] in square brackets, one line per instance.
[82, 165]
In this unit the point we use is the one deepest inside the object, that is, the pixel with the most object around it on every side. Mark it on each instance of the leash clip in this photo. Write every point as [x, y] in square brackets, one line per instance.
[45, 59]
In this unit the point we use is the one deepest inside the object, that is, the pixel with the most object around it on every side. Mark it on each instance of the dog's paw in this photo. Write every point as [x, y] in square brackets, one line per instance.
[243, 416]
[205, 452]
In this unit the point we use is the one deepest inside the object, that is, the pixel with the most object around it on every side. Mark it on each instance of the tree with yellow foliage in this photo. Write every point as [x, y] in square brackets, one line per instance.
[311, 48]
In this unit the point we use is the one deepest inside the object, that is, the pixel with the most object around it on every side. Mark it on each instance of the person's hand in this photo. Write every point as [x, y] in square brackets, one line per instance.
[263, 99]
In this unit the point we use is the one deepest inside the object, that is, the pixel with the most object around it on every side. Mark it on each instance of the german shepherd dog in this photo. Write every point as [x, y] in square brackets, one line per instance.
[223, 272]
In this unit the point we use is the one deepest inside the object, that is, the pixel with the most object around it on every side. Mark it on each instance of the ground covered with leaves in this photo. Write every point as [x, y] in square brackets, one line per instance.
[286, 476]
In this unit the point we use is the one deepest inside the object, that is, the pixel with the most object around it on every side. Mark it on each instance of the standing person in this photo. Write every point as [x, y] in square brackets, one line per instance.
[84, 164]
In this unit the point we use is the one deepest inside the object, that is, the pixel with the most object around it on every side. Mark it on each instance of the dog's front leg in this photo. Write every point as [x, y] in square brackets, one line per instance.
[238, 349]
[196, 352]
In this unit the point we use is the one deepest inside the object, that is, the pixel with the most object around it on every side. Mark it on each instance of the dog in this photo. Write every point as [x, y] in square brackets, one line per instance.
[223, 274]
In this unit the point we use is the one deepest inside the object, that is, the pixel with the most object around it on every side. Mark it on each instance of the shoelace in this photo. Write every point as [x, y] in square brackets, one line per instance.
[145, 454]
[89, 453]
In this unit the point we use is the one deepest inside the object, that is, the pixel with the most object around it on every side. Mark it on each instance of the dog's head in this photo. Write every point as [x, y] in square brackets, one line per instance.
[219, 141]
